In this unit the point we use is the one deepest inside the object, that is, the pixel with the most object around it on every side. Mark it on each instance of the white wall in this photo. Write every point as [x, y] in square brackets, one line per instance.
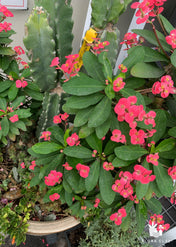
[21, 16]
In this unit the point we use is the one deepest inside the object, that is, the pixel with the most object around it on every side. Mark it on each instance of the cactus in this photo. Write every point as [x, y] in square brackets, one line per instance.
[50, 108]
[40, 44]
[104, 15]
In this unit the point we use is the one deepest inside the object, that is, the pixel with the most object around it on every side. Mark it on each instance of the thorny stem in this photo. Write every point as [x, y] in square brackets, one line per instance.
[161, 24]
[144, 91]
[159, 43]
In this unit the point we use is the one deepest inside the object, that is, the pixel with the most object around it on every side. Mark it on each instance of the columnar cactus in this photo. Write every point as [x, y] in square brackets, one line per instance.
[105, 15]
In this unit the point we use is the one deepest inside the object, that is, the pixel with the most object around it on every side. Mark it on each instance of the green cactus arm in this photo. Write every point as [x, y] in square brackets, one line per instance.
[50, 108]
[99, 12]
[40, 45]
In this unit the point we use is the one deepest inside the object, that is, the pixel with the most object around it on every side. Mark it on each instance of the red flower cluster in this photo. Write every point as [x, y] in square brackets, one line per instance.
[19, 50]
[98, 46]
[153, 158]
[173, 198]
[142, 174]
[67, 166]
[130, 39]
[73, 140]
[83, 170]
[97, 201]
[32, 166]
[45, 135]
[59, 118]
[165, 87]
[171, 39]
[117, 136]
[14, 118]
[159, 222]
[117, 217]
[54, 197]
[21, 83]
[53, 178]
[172, 172]
[147, 8]
[5, 26]
[5, 11]
[118, 84]
[108, 166]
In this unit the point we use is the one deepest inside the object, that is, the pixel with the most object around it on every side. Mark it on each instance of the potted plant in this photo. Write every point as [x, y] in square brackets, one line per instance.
[110, 147]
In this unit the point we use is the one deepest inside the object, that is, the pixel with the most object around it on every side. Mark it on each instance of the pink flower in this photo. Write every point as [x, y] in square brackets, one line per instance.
[153, 158]
[67, 166]
[45, 135]
[130, 39]
[53, 178]
[64, 116]
[57, 119]
[54, 197]
[117, 217]
[97, 201]
[73, 140]
[108, 166]
[94, 153]
[32, 166]
[137, 137]
[117, 136]
[142, 174]
[5, 26]
[83, 170]
[19, 50]
[14, 118]
[22, 165]
[5, 11]
[118, 84]
[21, 83]
[172, 172]
[123, 68]
[55, 62]
[171, 39]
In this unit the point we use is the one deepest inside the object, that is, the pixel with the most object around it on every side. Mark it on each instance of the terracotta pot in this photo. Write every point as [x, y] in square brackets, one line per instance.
[40, 228]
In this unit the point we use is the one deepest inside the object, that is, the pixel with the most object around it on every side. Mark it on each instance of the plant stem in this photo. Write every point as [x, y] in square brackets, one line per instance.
[144, 91]
[159, 43]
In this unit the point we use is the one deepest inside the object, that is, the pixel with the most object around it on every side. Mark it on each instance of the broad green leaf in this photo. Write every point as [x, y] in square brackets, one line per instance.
[35, 180]
[150, 37]
[13, 91]
[22, 113]
[18, 101]
[91, 62]
[14, 130]
[34, 94]
[163, 180]
[46, 147]
[6, 51]
[105, 184]
[20, 124]
[72, 177]
[160, 127]
[165, 145]
[125, 220]
[141, 217]
[109, 91]
[146, 70]
[68, 198]
[85, 131]
[100, 113]
[83, 85]
[154, 205]
[57, 133]
[66, 185]
[92, 180]
[172, 132]
[5, 126]
[94, 142]
[107, 68]
[102, 130]
[134, 82]
[153, 55]
[4, 85]
[3, 104]
[141, 190]
[167, 25]
[173, 58]
[120, 163]
[83, 116]
[130, 152]
[78, 152]
[81, 102]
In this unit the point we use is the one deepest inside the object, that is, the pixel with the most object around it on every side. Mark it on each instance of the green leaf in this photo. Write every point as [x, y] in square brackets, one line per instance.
[18, 101]
[13, 91]
[46, 147]
[146, 70]
[105, 184]
[167, 25]
[163, 180]
[92, 180]
[109, 91]
[78, 152]
[120, 163]
[110, 146]
[57, 133]
[94, 142]
[5, 126]
[130, 152]
[102, 130]
[165, 145]
[172, 132]
[35, 180]
[107, 68]
[22, 113]
[141, 190]
[91, 62]
[85, 131]
[126, 92]
[154, 205]
[73, 178]
[3, 104]
[160, 127]
[34, 94]
[153, 55]
[134, 82]
[66, 185]
[150, 37]
[20, 124]
[141, 217]
[81, 102]
[4, 85]
[125, 220]
[83, 85]
[100, 113]
[173, 58]
[83, 116]
[6, 51]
